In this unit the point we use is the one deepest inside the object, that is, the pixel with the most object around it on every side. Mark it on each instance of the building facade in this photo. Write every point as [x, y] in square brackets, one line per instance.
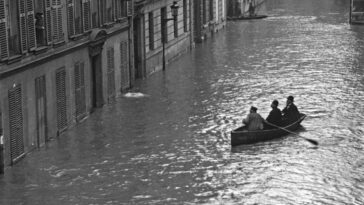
[59, 60]
[62, 59]
[209, 18]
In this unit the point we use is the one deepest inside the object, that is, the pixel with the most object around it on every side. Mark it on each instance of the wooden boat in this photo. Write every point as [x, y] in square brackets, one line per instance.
[247, 17]
[243, 136]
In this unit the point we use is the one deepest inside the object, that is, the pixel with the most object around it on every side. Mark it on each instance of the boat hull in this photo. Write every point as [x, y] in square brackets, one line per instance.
[247, 17]
[241, 136]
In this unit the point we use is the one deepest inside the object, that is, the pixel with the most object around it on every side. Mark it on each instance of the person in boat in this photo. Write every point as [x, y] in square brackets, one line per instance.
[290, 112]
[274, 117]
[254, 121]
[251, 9]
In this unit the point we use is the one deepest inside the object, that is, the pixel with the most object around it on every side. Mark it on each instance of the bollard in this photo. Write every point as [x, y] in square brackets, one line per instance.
[1, 155]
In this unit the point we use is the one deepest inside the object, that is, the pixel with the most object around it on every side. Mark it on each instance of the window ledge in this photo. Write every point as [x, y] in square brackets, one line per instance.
[77, 37]
[108, 25]
[58, 44]
[40, 50]
[13, 59]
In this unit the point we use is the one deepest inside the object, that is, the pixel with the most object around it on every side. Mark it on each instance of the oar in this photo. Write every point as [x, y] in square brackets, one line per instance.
[310, 140]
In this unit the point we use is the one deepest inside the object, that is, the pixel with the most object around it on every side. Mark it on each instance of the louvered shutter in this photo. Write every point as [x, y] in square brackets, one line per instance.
[61, 99]
[31, 25]
[48, 21]
[56, 12]
[22, 25]
[124, 65]
[86, 10]
[16, 123]
[4, 47]
[70, 18]
[59, 21]
[129, 6]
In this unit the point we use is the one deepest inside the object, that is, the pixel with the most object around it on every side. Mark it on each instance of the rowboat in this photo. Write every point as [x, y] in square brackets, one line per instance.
[242, 136]
[247, 17]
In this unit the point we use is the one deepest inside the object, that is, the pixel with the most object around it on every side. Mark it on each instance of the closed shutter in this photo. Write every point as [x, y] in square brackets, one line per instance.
[70, 18]
[48, 21]
[124, 65]
[61, 99]
[41, 110]
[129, 5]
[22, 25]
[31, 25]
[56, 12]
[4, 47]
[86, 10]
[16, 123]
[110, 73]
[80, 91]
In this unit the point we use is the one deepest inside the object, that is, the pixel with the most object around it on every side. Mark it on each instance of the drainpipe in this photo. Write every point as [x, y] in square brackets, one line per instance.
[1, 154]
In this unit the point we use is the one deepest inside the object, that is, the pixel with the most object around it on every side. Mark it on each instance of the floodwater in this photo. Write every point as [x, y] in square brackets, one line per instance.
[169, 143]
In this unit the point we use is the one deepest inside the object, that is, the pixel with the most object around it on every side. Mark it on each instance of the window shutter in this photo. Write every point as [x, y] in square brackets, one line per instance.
[70, 18]
[61, 99]
[4, 48]
[59, 20]
[129, 7]
[16, 123]
[22, 25]
[56, 11]
[48, 21]
[86, 7]
[31, 25]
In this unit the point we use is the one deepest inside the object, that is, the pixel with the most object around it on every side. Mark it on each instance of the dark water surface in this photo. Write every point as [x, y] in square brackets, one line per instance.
[172, 146]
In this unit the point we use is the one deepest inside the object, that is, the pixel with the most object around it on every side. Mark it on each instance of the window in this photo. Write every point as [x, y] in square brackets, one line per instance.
[175, 27]
[40, 23]
[95, 17]
[211, 10]
[185, 16]
[78, 16]
[13, 29]
[204, 11]
[106, 11]
[164, 27]
[151, 30]
[56, 17]
[119, 9]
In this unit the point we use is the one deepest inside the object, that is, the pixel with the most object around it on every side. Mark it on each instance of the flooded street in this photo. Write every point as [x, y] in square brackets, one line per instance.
[171, 145]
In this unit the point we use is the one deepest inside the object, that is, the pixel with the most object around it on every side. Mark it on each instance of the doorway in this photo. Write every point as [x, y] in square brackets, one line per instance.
[96, 77]
[139, 47]
[41, 111]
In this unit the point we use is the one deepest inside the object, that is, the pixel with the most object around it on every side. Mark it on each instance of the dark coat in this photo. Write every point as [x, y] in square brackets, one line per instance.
[274, 117]
[290, 113]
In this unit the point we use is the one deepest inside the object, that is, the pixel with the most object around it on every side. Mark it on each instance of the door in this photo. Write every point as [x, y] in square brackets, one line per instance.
[139, 46]
[96, 91]
[41, 111]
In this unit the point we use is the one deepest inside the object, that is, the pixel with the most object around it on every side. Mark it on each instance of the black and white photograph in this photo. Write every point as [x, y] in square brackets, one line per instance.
[181, 102]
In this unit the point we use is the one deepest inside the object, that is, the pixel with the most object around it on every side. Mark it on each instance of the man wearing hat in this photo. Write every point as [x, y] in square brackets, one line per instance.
[275, 116]
[290, 112]
[253, 121]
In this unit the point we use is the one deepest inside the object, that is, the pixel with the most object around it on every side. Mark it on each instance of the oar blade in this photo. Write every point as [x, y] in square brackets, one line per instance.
[312, 141]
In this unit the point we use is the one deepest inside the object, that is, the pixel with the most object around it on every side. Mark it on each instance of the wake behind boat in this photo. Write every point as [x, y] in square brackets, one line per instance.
[242, 136]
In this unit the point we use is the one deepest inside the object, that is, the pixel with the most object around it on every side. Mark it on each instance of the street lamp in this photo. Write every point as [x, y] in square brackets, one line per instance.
[174, 11]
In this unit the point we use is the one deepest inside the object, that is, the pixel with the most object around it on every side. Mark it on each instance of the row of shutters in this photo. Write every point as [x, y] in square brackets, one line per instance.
[15, 97]
[52, 20]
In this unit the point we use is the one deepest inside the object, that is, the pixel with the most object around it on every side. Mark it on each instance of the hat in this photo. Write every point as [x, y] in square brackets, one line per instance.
[290, 98]
[275, 102]
[254, 108]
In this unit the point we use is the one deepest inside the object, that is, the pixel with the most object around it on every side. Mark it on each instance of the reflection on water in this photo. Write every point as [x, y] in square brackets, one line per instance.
[169, 143]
